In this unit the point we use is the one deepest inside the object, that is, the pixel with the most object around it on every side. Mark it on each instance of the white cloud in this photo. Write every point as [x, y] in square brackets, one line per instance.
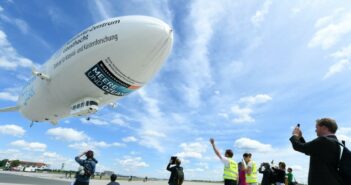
[118, 120]
[154, 126]
[103, 8]
[94, 121]
[67, 134]
[8, 96]
[81, 146]
[130, 163]
[22, 25]
[201, 23]
[337, 68]
[250, 145]
[129, 139]
[192, 150]
[33, 146]
[13, 130]
[116, 144]
[343, 53]
[50, 154]
[334, 29]
[344, 133]
[153, 133]
[258, 18]
[11, 154]
[9, 58]
[242, 115]
[344, 57]
[258, 99]
[93, 145]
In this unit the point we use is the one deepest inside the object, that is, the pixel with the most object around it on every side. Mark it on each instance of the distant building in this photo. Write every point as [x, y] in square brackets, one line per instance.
[107, 173]
[30, 166]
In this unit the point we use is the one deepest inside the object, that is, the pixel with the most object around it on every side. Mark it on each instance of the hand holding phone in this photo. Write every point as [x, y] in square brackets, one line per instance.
[297, 131]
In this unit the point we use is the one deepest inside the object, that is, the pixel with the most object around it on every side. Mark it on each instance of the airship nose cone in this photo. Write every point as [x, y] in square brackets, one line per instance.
[149, 42]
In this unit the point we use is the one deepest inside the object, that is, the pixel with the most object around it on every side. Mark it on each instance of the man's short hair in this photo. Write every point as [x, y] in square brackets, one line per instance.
[329, 123]
[282, 165]
[113, 177]
[229, 152]
[89, 154]
[247, 155]
[178, 162]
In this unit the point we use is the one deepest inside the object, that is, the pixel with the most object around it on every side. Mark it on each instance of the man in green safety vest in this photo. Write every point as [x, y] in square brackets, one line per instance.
[250, 169]
[230, 173]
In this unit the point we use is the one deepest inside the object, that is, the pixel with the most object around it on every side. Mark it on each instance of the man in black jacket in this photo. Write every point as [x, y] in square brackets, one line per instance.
[323, 151]
[177, 175]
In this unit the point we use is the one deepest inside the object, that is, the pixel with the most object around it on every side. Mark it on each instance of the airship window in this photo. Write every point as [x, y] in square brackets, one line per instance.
[82, 104]
[74, 107]
[93, 103]
[87, 103]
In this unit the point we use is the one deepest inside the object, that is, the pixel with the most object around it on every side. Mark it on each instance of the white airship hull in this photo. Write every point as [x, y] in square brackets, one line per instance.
[105, 62]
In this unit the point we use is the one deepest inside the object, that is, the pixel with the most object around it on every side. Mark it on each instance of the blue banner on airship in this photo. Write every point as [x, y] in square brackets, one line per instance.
[100, 75]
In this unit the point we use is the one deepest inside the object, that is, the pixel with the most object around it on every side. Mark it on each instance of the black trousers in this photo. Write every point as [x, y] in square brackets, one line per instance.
[230, 182]
[81, 183]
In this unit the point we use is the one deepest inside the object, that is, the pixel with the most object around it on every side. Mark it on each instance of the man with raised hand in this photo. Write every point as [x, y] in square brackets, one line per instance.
[230, 174]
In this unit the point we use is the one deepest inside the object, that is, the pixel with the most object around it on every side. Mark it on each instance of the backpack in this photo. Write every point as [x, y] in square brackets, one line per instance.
[179, 175]
[88, 169]
[344, 165]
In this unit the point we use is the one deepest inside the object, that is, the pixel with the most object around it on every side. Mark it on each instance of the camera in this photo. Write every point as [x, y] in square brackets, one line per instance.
[265, 165]
[173, 159]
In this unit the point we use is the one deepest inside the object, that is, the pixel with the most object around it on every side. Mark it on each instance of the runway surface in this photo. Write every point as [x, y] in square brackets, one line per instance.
[9, 179]
[24, 178]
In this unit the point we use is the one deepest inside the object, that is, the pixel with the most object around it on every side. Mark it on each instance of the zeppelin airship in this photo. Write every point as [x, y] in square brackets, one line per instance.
[98, 66]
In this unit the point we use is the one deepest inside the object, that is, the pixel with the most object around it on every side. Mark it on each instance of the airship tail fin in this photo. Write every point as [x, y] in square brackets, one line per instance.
[9, 109]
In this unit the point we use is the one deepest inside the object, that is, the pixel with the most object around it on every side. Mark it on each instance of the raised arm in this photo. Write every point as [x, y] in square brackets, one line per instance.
[215, 148]
[78, 160]
[169, 166]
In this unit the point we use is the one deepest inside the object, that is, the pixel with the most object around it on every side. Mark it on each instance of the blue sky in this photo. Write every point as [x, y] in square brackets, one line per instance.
[243, 72]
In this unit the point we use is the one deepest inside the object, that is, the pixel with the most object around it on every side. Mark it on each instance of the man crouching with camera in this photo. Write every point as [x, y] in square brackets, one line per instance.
[177, 174]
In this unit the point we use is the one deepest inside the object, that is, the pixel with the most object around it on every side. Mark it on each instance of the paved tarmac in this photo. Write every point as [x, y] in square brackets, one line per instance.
[26, 178]
[10, 179]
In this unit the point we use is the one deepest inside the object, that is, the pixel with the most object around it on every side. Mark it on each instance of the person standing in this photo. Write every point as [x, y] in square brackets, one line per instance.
[177, 174]
[267, 174]
[241, 179]
[324, 152]
[290, 177]
[280, 173]
[230, 173]
[87, 168]
[250, 169]
[113, 178]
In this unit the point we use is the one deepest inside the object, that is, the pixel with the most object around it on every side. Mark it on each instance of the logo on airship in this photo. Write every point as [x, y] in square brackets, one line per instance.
[104, 79]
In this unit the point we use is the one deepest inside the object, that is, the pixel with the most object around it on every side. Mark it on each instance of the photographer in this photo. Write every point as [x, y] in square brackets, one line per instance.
[87, 168]
[279, 173]
[324, 152]
[267, 173]
[177, 174]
